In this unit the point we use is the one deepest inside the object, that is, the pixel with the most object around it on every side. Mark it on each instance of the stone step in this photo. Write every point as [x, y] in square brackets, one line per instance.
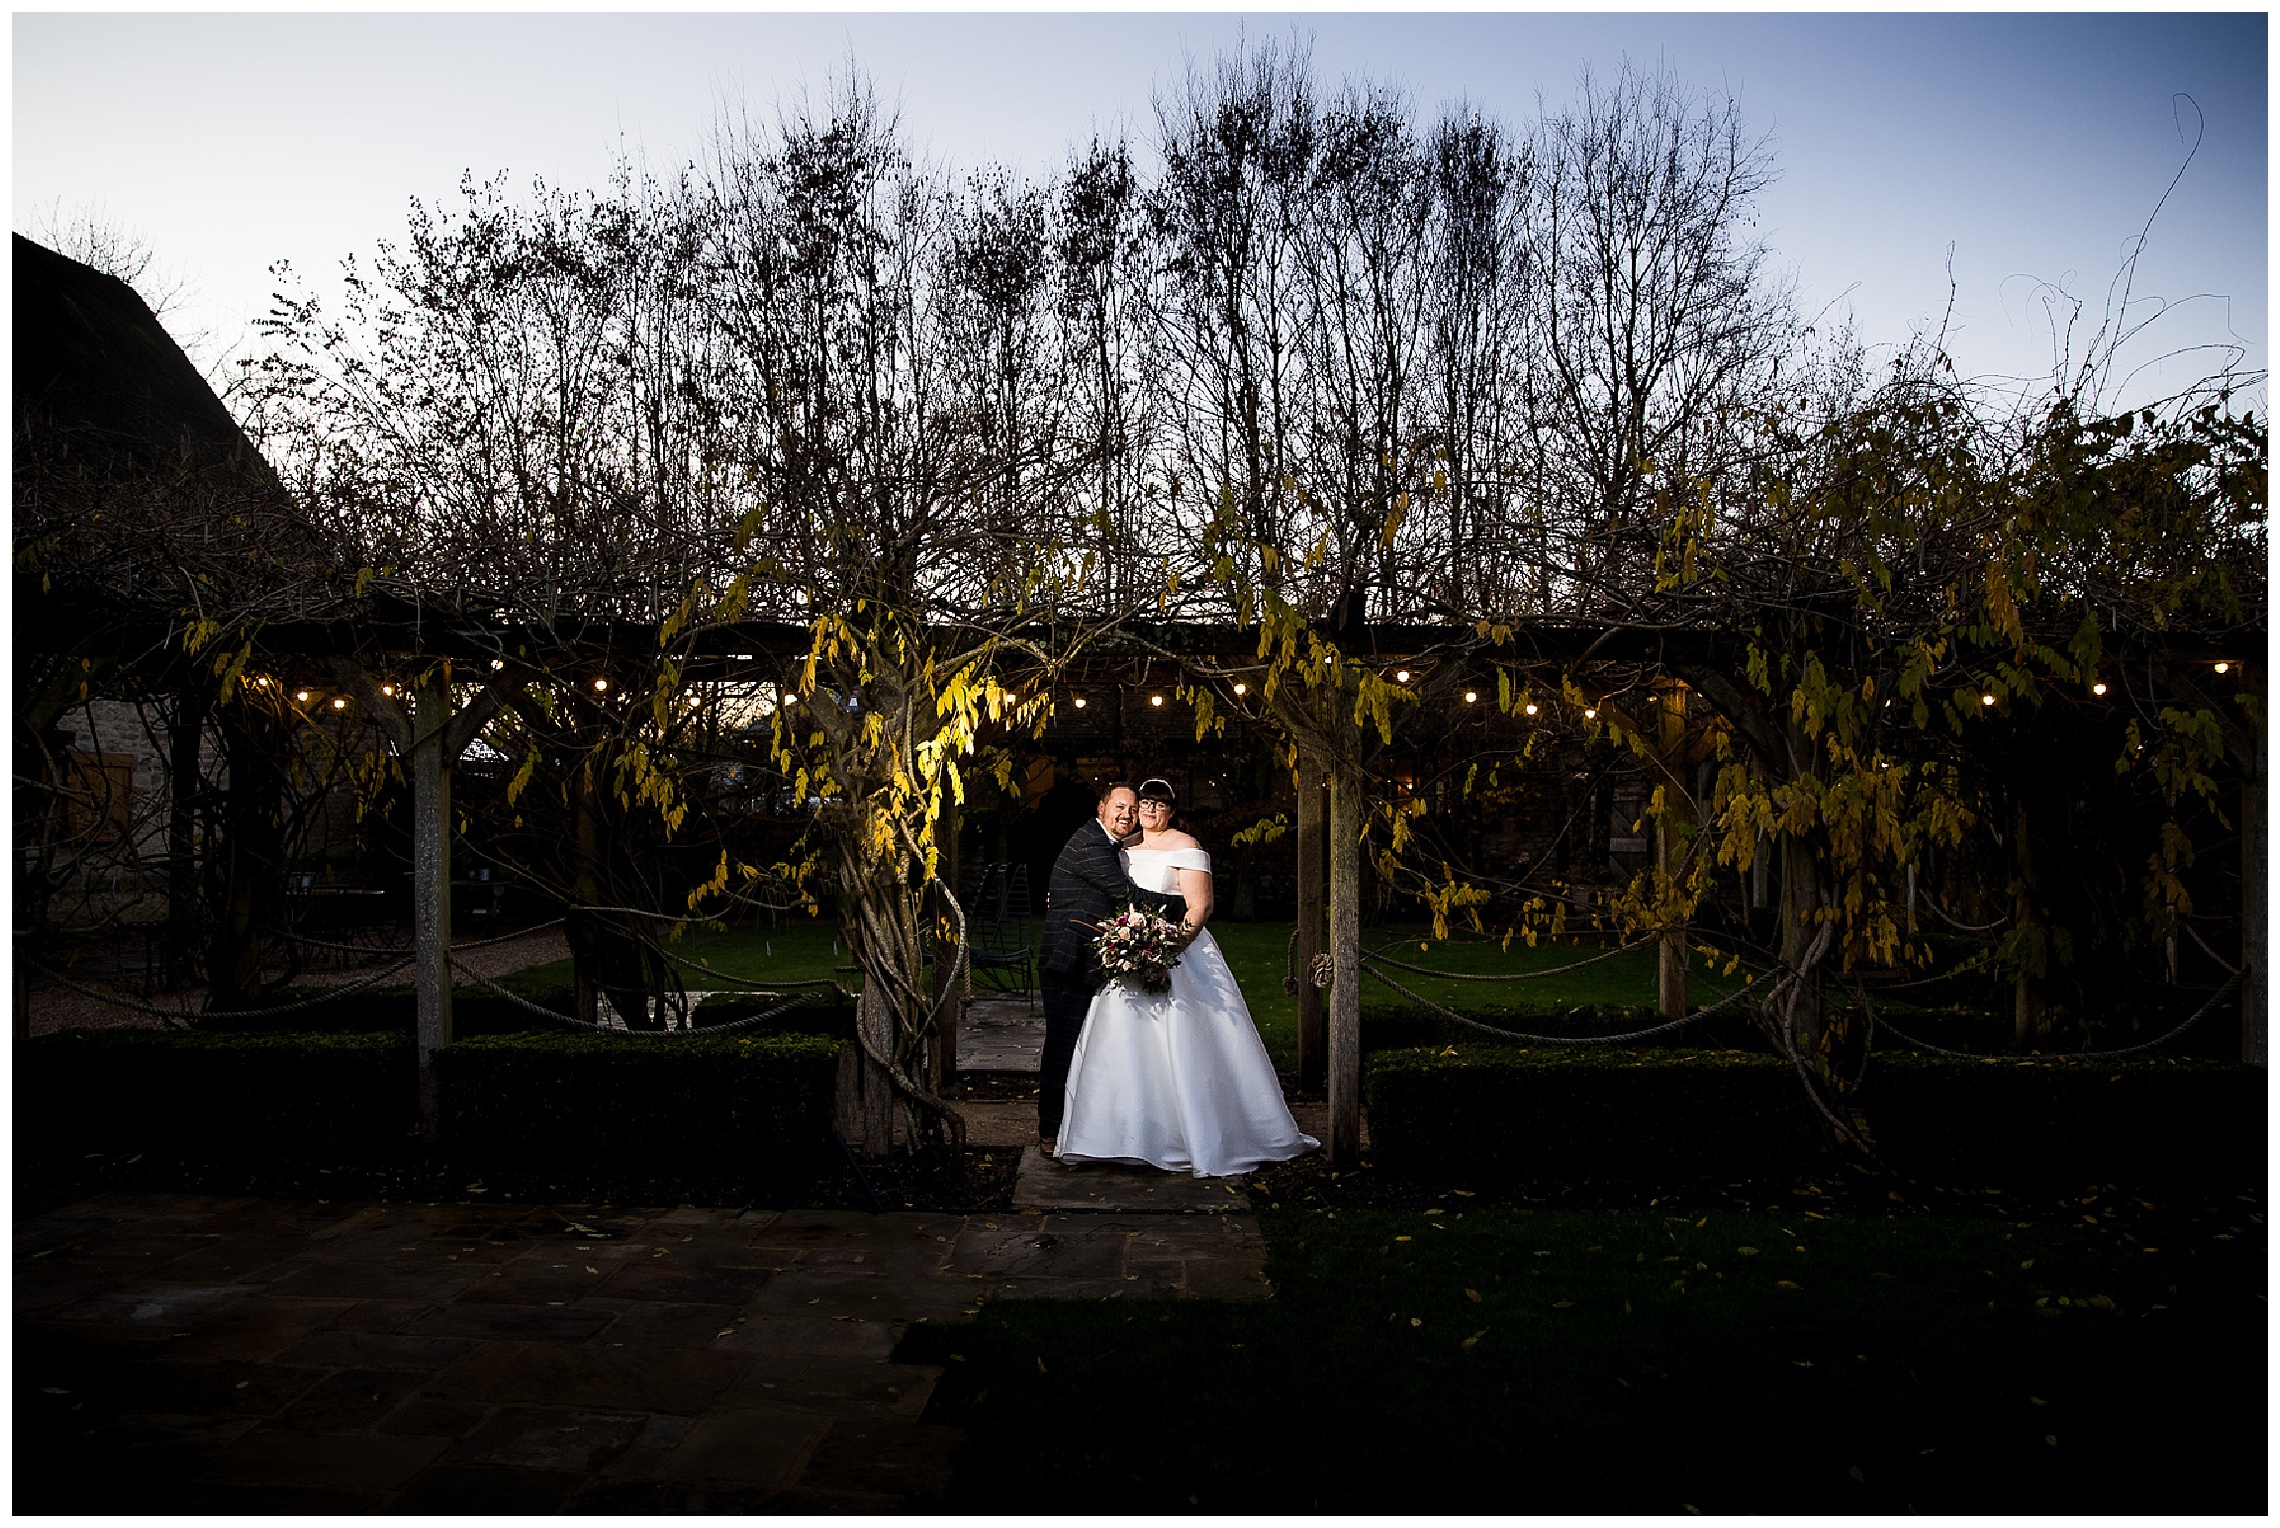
[1048, 1184]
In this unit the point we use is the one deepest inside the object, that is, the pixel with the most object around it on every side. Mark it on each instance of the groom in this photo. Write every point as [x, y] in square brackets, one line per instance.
[1087, 886]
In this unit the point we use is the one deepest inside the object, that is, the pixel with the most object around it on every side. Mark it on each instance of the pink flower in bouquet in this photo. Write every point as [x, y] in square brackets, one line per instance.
[1139, 945]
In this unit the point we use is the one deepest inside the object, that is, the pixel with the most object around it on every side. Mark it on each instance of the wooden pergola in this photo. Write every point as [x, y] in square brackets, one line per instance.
[99, 359]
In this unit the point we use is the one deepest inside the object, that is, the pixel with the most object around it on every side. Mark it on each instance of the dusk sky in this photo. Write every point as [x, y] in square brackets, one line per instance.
[2035, 145]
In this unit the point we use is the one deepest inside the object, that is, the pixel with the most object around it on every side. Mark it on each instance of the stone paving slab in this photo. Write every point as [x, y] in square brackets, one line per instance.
[1001, 1034]
[1049, 1184]
[510, 1358]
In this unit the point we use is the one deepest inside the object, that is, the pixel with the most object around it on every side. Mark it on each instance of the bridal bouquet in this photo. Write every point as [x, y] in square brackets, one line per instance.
[1139, 944]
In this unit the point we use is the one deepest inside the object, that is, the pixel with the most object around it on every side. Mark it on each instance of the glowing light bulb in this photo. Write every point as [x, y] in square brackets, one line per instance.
[1987, 700]
[387, 689]
[1401, 676]
[601, 685]
[1531, 708]
[497, 664]
[1080, 702]
[2223, 667]
[1242, 689]
[1155, 700]
[301, 695]
[1590, 713]
[1471, 696]
[2099, 688]
[339, 704]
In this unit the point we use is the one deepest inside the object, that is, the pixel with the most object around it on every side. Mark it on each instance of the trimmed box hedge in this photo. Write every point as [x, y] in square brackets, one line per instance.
[1498, 1113]
[1501, 1113]
[243, 1097]
[713, 1109]
[2059, 1119]
[734, 1106]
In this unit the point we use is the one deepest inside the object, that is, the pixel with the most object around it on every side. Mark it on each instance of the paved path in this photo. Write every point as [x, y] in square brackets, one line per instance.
[184, 1353]
[1001, 1034]
[1051, 1186]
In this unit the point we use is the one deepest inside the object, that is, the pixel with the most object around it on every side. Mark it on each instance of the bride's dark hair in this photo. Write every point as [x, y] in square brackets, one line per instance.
[1156, 788]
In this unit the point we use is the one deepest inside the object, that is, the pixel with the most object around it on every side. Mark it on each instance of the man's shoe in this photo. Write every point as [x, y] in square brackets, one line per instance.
[1046, 1145]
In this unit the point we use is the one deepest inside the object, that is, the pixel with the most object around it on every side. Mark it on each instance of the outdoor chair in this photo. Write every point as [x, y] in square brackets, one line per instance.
[1001, 941]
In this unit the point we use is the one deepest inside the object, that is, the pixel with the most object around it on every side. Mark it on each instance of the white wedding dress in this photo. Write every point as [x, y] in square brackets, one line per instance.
[1180, 1079]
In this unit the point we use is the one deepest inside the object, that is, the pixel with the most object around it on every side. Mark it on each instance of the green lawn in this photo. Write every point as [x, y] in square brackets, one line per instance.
[1623, 1361]
[1257, 953]
[804, 950]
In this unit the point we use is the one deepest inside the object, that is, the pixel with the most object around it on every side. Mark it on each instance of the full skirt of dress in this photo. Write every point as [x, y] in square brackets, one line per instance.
[1178, 1080]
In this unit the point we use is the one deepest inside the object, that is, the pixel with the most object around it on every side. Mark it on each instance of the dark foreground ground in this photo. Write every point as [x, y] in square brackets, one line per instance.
[2094, 1356]
[1840, 1344]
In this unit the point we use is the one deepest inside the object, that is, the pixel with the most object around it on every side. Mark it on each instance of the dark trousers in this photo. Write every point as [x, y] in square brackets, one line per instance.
[1067, 995]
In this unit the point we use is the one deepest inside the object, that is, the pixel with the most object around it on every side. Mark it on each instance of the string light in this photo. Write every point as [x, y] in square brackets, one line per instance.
[387, 689]
[497, 664]
[339, 704]
[601, 685]
[1401, 676]
[1080, 702]
[1987, 700]
[2223, 667]
[1242, 689]
[1591, 713]
[1531, 708]
[2099, 688]
[1155, 700]
[1471, 696]
[301, 695]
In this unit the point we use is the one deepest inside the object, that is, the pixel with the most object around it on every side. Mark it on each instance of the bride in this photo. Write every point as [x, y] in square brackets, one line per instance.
[1180, 1079]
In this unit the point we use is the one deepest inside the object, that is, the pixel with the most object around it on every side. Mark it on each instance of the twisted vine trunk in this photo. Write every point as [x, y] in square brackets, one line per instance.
[884, 915]
[880, 828]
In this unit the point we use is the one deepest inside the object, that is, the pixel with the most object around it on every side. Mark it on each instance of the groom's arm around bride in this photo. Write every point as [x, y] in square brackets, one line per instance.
[1087, 885]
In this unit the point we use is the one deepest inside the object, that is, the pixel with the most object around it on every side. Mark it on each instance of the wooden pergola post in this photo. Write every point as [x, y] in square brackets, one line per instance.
[2254, 897]
[431, 740]
[942, 1047]
[1313, 898]
[432, 759]
[1345, 1026]
[1670, 984]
